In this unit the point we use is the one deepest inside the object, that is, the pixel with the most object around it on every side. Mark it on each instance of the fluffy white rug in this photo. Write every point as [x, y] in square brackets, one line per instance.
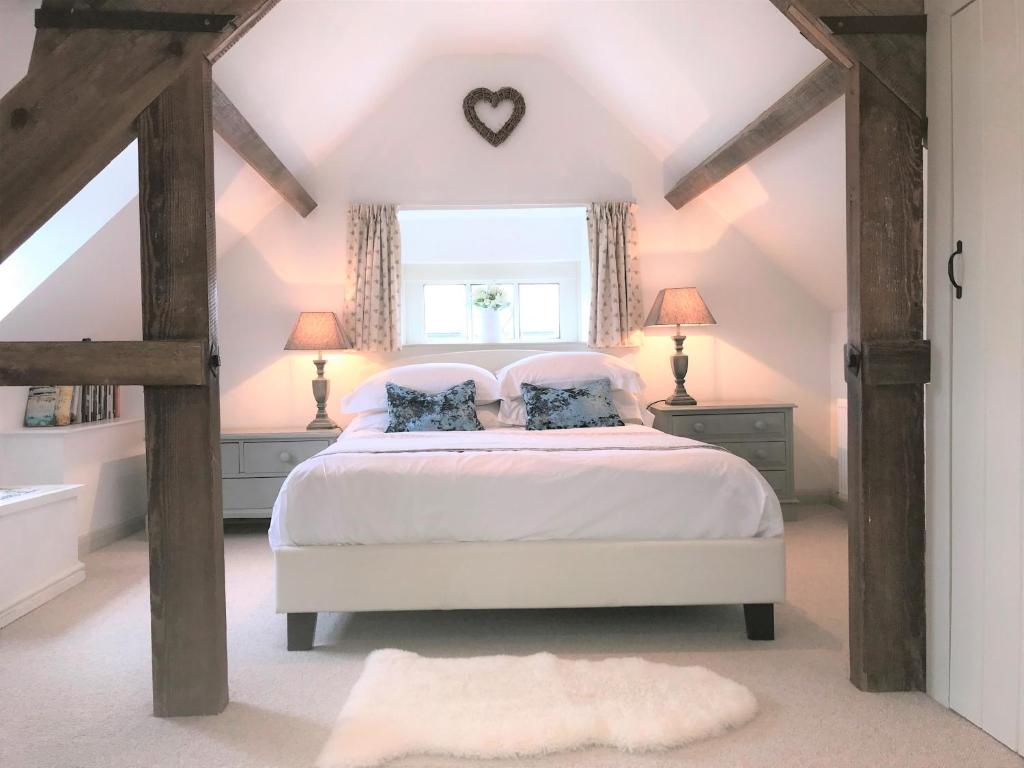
[506, 706]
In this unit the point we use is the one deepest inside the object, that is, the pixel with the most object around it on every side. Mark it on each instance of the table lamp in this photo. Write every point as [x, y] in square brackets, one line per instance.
[678, 307]
[319, 331]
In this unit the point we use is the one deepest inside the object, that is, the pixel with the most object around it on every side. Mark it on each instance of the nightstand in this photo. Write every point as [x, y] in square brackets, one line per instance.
[255, 462]
[761, 433]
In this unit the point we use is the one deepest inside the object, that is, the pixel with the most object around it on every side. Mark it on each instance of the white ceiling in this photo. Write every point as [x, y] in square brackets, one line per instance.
[683, 76]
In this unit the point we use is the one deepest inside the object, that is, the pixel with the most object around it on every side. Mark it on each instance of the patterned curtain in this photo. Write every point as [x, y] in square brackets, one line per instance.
[616, 314]
[373, 278]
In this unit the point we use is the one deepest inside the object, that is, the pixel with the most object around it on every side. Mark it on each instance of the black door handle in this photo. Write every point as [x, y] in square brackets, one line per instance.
[949, 268]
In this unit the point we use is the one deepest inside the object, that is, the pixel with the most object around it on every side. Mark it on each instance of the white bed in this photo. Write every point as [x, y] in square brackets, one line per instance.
[510, 518]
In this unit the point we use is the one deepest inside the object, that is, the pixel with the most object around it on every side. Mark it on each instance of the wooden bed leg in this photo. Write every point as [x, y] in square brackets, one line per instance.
[760, 619]
[301, 629]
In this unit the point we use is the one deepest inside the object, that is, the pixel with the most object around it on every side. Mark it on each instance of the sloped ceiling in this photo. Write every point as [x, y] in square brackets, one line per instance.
[682, 76]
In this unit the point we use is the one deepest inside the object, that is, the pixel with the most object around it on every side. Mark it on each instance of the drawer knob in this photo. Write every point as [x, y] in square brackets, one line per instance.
[759, 425]
[284, 456]
[761, 453]
[698, 426]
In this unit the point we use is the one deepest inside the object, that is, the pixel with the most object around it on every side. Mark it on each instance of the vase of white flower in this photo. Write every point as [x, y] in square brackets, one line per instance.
[490, 299]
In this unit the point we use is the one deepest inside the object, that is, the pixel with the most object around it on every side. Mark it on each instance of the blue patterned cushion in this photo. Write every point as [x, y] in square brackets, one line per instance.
[453, 410]
[586, 405]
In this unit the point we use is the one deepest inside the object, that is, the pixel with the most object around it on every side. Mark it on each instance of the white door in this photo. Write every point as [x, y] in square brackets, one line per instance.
[987, 361]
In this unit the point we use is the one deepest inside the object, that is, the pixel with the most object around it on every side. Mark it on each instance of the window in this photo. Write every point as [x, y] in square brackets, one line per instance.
[444, 312]
[533, 313]
[541, 303]
[530, 260]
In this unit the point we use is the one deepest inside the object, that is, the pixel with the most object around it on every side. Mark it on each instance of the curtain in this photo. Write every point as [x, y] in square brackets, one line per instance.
[616, 314]
[373, 278]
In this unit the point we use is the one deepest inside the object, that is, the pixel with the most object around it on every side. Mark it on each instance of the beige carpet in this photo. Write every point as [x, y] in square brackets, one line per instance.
[75, 677]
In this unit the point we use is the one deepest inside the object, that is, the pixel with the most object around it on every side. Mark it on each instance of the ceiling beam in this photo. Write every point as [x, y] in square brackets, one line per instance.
[896, 58]
[811, 95]
[160, 363]
[877, 25]
[250, 146]
[75, 109]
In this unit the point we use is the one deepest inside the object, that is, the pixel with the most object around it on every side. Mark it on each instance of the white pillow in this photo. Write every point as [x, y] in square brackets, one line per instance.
[513, 412]
[564, 369]
[426, 377]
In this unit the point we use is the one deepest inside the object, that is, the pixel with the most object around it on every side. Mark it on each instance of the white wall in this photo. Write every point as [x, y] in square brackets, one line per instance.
[773, 338]
[108, 459]
[95, 293]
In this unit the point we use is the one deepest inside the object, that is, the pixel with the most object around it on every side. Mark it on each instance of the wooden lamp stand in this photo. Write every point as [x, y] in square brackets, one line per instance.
[680, 365]
[321, 390]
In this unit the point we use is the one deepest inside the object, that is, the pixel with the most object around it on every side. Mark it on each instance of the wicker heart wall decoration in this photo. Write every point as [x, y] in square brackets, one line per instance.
[494, 98]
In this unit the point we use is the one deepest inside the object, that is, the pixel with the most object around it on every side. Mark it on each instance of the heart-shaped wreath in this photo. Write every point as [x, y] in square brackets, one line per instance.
[495, 98]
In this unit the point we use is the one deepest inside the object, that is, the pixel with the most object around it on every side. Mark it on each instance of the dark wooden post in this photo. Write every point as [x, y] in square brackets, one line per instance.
[186, 536]
[884, 140]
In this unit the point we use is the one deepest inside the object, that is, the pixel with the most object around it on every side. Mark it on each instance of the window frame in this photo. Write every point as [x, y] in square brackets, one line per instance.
[565, 274]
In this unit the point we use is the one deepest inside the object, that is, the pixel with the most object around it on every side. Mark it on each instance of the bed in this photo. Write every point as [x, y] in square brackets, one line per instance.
[513, 518]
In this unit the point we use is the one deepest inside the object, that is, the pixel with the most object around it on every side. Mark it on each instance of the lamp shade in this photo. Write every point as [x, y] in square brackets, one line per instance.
[319, 331]
[679, 306]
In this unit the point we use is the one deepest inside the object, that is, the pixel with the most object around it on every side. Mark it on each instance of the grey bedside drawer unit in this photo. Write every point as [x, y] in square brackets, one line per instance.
[761, 433]
[254, 464]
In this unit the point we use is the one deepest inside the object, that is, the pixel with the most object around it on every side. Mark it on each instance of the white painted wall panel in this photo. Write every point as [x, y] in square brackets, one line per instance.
[1002, 126]
[988, 367]
[968, 446]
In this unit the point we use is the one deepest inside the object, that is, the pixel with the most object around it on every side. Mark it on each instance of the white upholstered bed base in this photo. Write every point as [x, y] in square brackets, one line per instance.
[529, 574]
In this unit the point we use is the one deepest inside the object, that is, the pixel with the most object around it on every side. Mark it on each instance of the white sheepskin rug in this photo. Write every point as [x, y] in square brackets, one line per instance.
[508, 706]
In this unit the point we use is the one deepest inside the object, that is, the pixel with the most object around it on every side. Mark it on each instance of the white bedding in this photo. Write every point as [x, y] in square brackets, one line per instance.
[610, 483]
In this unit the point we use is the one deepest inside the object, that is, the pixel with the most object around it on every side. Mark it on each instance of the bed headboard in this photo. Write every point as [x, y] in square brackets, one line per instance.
[491, 359]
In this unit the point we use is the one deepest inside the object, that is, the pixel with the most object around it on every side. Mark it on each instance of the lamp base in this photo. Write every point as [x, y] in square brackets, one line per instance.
[683, 399]
[321, 389]
[680, 365]
[322, 422]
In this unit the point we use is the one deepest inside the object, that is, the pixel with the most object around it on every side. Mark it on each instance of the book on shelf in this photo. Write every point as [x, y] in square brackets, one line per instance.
[65, 395]
[41, 407]
[63, 405]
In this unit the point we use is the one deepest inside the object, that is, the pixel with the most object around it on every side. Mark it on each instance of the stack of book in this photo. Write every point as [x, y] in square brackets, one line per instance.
[64, 405]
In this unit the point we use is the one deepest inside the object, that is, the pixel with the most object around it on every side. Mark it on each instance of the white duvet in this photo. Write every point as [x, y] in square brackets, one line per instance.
[609, 483]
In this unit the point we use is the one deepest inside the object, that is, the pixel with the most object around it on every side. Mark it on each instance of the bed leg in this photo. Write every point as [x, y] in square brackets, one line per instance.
[760, 619]
[301, 628]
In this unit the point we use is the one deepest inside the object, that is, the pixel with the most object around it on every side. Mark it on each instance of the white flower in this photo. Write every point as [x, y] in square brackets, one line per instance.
[490, 297]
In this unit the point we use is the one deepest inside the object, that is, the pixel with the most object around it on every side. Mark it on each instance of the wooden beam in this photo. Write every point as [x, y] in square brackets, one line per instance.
[74, 110]
[897, 59]
[168, 363]
[88, 18]
[888, 363]
[250, 146]
[185, 523]
[885, 193]
[877, 25]
[811, 95]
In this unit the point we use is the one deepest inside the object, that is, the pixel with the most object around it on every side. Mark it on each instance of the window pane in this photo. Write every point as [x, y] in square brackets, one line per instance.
[484, 329]
[444, 310]
[538, 311]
